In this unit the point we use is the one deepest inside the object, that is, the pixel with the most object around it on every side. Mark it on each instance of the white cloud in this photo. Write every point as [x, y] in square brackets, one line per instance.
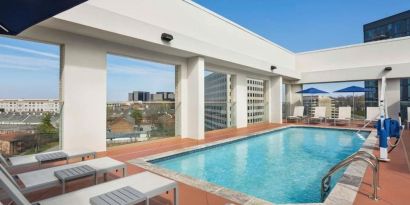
[140, 70]
[27, 63]
[30, 51]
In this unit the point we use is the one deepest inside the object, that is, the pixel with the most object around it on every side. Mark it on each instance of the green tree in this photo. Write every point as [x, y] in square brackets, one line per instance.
[137, 116]
[46, 132]
[46, 127]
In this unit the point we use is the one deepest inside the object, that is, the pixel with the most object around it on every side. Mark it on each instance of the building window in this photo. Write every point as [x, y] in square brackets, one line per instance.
[218, 101]
[256, 101]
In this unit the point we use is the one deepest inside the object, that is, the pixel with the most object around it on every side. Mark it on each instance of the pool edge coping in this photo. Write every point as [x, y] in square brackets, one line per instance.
[343, 193]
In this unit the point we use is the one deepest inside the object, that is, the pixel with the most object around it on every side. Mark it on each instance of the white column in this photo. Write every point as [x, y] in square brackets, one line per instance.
[295, 98]
[392, 97]
[240, 97]
[194, 97]
[83, 91]
[181, 97]
[275, 99]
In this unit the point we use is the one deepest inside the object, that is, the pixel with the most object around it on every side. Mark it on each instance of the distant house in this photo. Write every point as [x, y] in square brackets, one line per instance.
[121, 125]
[15, 143]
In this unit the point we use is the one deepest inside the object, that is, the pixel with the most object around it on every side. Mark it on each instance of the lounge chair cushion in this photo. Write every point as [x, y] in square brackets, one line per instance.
[146, 182]
[40, 178]
[123, 196]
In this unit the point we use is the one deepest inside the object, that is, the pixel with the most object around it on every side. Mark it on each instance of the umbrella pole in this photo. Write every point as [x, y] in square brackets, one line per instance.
[353, 106]
[311, 102]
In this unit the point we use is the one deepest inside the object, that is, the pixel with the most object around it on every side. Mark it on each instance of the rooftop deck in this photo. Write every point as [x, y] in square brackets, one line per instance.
[394, 176]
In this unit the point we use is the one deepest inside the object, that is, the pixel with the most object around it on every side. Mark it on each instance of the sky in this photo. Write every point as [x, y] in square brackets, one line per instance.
[303, 25]
[31, 70]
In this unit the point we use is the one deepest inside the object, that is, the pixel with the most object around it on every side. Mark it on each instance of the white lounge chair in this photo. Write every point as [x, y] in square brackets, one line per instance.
[408, 117]
[45, 157]
[319, 115]
[146, 183]
[45, 178]
[297, 114]
[372, 114]
[344, 116]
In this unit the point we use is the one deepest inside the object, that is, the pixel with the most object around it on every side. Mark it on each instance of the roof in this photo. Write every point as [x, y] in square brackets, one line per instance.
[12, 137]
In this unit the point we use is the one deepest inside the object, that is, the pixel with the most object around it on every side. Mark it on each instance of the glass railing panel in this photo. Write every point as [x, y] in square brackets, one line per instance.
[218, 115]
[133, 122]
[25, 132]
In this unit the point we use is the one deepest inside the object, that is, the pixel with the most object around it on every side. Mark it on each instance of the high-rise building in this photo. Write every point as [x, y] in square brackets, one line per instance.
[256, 101]
[390, 27]
[139, 96]
[371, 98]
[310, 102]
[167, 96]
[218, 105]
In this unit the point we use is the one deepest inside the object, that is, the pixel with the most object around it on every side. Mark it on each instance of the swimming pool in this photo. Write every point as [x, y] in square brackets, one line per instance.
[283, 166]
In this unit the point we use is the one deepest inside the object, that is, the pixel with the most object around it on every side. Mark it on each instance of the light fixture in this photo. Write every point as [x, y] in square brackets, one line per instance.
[166, 37]
[272, 68]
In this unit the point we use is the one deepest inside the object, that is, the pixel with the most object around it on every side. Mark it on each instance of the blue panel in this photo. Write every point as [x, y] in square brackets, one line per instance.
[18, 15]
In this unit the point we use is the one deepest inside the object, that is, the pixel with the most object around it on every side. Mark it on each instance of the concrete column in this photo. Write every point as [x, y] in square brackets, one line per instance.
[295, 99]
[240, 97]
[83, 91]
[392, 98]
[275, 99]
[180, 100]
[194, 97]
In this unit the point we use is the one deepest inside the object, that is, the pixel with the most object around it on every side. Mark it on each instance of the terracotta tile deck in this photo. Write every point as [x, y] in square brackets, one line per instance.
[394, 176]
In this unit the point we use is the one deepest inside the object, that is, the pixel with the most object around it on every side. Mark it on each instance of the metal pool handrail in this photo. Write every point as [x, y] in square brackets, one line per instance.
[326, 180]
[363, 154]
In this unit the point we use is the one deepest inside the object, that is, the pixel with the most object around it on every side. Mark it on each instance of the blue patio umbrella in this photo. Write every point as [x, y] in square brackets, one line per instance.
[312, 91]
[353, 89]
[18, 15]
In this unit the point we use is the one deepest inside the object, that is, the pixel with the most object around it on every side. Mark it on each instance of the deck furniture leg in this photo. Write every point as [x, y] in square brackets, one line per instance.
[176, 196]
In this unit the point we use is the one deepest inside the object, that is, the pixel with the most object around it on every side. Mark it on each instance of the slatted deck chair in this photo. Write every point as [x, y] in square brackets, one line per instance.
[319, 115]
[46, 178]
[297, 114]
[45, 157]
[147, 184]
[344, 116]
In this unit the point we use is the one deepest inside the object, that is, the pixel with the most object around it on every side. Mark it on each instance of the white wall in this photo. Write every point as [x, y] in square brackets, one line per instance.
[275, 99]
[195, 98]
[356, 62]
[196, 31]
[84, 96]
[392, 97]
[240, 96]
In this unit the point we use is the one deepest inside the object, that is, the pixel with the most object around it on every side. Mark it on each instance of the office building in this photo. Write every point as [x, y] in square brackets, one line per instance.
[218, 105]
[390, 27]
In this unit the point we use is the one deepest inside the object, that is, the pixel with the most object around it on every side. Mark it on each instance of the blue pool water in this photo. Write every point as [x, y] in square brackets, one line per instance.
[284, 166]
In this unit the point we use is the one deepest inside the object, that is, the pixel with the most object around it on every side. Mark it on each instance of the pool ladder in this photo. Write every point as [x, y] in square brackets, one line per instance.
[370, 159]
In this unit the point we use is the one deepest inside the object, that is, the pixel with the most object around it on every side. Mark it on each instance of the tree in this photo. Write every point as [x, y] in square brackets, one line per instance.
[137, 116]
[46, 127]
